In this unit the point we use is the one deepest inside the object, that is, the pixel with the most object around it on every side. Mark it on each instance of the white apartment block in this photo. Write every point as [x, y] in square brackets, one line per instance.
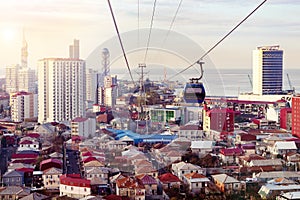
[23, 106]
[110, 91]
[93, 80]
[85, 127]
[61, 89]
[26, 80]
[11, 78]
[74, 187]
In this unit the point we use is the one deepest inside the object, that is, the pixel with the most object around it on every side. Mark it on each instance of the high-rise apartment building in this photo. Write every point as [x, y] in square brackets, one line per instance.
[61, 89]
[11, 78]
[24, 52]
[74, 50]
[26, 80]
[20, 77]
[94, 80]
[296, 116]
[23, 106]
[110, 91]
[267, 70]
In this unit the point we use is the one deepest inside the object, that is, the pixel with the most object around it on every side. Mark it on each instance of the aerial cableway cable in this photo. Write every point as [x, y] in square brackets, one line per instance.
[205, 54]
[151, 25]
[120, 40]
[138, 21]
[172, 22]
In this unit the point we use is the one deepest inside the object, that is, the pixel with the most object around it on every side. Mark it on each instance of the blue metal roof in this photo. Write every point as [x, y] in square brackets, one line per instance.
[153, 138]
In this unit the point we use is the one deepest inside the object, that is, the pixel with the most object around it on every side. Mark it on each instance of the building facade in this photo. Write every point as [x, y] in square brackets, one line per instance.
[109, 91]
[286, 118]
[92, 83]
[26, 80]
[11, 78]
[85, 127]
[74, 187]
[296, 116]
[23, 106]
[221, 119]
[267, 70]
[61, 89]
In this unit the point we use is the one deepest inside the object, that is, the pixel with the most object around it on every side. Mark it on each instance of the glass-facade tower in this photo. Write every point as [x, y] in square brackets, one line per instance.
[267, 70]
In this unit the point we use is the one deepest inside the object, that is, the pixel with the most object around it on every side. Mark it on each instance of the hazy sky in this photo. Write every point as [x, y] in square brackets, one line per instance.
[51, 25]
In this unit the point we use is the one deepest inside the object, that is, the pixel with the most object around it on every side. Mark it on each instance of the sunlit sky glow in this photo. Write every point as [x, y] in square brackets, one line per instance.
[51, 25]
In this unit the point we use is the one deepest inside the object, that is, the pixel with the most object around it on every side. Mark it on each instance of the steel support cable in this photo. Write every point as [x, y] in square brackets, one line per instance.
[120, 40]
[149, 36]
[205, 54]
[172, 22]
[138, 22]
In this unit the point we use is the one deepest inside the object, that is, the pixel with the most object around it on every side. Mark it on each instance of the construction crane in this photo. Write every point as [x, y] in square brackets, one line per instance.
[250, 80]
[290, 83]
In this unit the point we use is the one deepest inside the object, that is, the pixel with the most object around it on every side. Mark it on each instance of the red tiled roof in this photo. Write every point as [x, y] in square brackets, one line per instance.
[79, 119]
[247, 137]
[25, 169]
[89, 159]
[51, 160]
[21, 93]
[25, 156]
[26, 142]
[116, 197]
[194, 175]
[254, 157]
[231, 151]
[33, 135]
[248, 146]
[128, 182]
[146, 179]
[24, 161]
[168, 178]
[87, 153]
[74, 181]
[76, 137]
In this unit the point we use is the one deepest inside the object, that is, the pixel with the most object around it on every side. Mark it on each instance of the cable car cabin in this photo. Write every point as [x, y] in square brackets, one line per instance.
[194, 93]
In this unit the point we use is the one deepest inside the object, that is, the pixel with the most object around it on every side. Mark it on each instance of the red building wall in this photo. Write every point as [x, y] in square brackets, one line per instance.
[222, 119]
[296, 116]
[285, 114]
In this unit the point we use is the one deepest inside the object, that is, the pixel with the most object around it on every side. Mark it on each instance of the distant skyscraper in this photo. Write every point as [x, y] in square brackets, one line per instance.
[20, 78]
[105, 62]
[11, 78]
[267, 70]
[24, 52]
[92, 82]
[61, 89]
[74, 50]
[26, 80]
[110, 91]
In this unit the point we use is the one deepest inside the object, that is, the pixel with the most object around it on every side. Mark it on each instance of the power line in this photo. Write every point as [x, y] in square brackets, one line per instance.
[149, 36]
[205, 54]
[123, 50]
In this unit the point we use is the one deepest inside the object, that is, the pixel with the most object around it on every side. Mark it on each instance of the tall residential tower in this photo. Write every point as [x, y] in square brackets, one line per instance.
[61, 89]
[267, 70]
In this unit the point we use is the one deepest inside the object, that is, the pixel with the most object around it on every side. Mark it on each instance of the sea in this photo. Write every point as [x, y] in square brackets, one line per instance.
[222, 81]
